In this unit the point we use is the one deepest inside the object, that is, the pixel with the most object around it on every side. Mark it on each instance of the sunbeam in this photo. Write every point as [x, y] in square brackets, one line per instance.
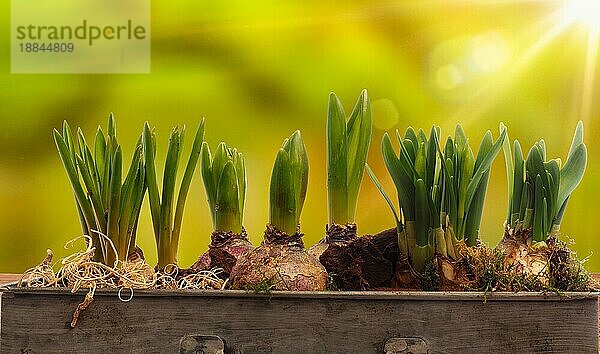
[572, 12]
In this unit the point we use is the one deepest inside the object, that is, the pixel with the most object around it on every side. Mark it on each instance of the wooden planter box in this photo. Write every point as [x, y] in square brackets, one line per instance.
[37, 320]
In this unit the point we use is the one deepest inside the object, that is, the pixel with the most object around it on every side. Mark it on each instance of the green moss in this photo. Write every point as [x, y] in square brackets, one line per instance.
[430, 276]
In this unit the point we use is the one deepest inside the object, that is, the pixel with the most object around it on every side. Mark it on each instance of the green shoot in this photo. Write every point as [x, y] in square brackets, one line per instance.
[224, 177]
[166, 223]
[438, 191]
[347, 147]
[289, 181]
[466, 178]
[105, 205]
[541, 188]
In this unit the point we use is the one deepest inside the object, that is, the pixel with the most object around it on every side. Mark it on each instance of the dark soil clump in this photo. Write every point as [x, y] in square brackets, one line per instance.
[364, 262]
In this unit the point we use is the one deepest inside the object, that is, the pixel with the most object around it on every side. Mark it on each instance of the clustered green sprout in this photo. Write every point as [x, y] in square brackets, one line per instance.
[440, 193]
[166, 223]
[466, 180]
[289, 181]
[347, 149]
[108, 208]
[224, 177]
[539, 189]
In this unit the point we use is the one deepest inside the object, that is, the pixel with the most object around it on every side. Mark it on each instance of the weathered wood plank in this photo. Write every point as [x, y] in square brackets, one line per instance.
[9, 278]
[311, 323]
[596, 277]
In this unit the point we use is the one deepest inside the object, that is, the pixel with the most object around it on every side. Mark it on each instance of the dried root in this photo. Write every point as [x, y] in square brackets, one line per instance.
[80, 271]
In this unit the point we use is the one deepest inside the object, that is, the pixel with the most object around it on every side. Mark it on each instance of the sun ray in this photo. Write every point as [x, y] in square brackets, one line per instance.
[587, 95]
[489, 94]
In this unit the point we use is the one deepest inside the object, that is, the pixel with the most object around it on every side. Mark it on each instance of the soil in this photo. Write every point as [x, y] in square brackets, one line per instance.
[362, 263]
[280, 263]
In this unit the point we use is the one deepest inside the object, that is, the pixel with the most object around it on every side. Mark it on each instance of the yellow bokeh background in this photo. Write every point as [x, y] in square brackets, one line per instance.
[259, 70]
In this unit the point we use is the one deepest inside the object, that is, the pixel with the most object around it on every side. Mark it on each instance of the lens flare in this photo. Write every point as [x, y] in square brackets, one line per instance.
[584, 11]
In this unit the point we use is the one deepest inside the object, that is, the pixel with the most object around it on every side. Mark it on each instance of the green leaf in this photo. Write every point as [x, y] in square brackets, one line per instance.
[542, 148]
[460, 139]
[358, 132]
[219, 160]
[185, 186]
[149, 145]
[71, 170]
[228, 218]
[475, 212]
[577, 139]
[206, 163]
[298, 162]
[384, 194]
[523, 202]
[404, 184]
[240, 169]
[99, 154]
[510, 170]
[432, 164]
[114, 200]
[408, 151]
[421, 213]
[112, 127]
[68, 138]
[539, 215]
[410, 135]
[100, 222]
[485, 165]
[169, 180]
[282, 199]
[421, 162]
[467, 164]
[572, 173]
[337, 162]
[518, 180]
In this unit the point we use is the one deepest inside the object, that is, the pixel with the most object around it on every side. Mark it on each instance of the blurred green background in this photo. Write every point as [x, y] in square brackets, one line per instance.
[257, 71]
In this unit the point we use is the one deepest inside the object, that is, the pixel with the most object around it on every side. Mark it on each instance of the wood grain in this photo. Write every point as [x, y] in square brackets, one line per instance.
[333, 322]
[9, 278]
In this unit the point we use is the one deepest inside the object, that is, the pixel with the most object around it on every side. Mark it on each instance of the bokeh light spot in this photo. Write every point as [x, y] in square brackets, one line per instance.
[448, 77]
[491, 52]
[384, 112]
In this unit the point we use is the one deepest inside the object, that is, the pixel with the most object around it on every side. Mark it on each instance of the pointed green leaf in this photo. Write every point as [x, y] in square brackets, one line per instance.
[282, 200]
[485, 165]
[384, 194]
[185, 186]
[577, 139]
[518, 179]
[421, 213]
[149, 146]
[228, 218]
[115, 197]
[69, 165]
[572, 173]
[358, 131]
[337, 162]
